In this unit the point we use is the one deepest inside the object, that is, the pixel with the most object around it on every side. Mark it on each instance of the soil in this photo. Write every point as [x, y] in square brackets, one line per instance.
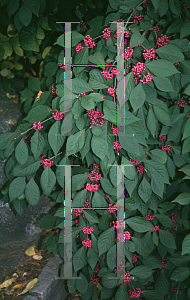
[27, 271]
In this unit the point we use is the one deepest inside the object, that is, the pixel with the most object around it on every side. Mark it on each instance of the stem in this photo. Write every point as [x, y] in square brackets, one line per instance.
[41, 123]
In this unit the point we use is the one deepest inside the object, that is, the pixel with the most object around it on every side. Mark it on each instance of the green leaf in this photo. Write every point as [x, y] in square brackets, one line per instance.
[187, 91]
[141, 272]
[145, 190]
[151, 94]
[107, 292]
[76, 38]
[109, 283]
[167, 239]
[136, 39]
[109, 109]
[25, 15]
[137, 97]
[21, 152]
[78, 181]
[99, 146]
[129, 84]
[106, 240]
[29, 168]
[97, 80]
[164, 220]
[37, 114]
[186, 131]
[163, 84]
[19, 205]
[92, 258]
[158, 155]
[28, 41]
[185, 29]
[17, 187]
[171, 53]
[185, 65]
[87, 102]
[96, 97]
[75, 142]
[79, 259]
[6, 139]
[55, 138]
[107, 187]
[47, 221]
[183, 199]
[161, 68]
[98, 201]
[32, 192]
[162, 116]
[152, 122]
[34, 84]
[186, 245]
[162, 284]
[130, 144]
[152, 261]
[12, 7]
[47, 180]
[140, 246]
[180, 274]
[50, 69]
[152, 295]
[81, 58]
[79, 85]
[122, 293]
[159, 176]
[186, 146]
[91, 216]
[37, 144]
[33, 5]
[111, 257]
[156, 3]
[139, 224]
[77, 109]
[186, 169]
[97, 58]
[82, 284]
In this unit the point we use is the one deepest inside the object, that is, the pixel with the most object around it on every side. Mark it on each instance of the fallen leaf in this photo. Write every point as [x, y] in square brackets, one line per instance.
[17, 286]
[29, 286]
[53, 268]
[15, 100]
[12, 252]
[35, 263]
[1, 110]
[30, 251]
[24, 274]
[37, 257]
[12, 123]
[8, 282]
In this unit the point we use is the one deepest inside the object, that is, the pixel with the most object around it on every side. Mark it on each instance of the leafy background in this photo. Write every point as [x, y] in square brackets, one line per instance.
[150, 112]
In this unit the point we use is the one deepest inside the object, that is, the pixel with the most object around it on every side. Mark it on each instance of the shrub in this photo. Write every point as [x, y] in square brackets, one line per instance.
[156, 219]
[28, 31]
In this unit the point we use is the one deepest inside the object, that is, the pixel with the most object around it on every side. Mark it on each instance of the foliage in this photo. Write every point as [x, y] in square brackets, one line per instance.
[28, 31]
[157, 124]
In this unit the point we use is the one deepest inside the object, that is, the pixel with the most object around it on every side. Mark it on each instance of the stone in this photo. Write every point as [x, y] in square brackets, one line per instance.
[17, 231]
[29, 298]
[48, 286]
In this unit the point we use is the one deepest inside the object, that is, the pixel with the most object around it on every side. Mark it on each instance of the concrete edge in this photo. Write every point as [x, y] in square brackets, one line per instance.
[48, 286]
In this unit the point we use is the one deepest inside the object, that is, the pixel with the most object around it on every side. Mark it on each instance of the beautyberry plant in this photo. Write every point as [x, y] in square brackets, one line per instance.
[156, 149]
